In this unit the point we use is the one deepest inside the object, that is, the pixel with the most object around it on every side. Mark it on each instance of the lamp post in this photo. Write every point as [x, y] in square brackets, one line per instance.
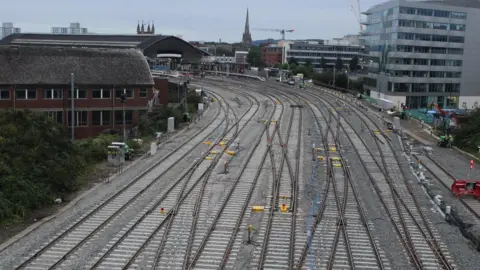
[72, 85]
[123, 99]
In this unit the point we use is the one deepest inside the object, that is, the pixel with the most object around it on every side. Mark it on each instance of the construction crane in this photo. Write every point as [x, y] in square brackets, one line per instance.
[282, 31]
[356, 11]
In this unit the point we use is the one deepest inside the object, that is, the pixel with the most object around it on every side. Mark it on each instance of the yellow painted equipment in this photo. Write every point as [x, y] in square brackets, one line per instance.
[162, 210]
[318, 149]
[213, 152]
[333, 149]
[335, 158]
[258, 208]
[377, 131]
[208, 142]
[208, 158]
[388, 130]
[338, 165]
[222, 143]
[284, 208]
[262, 121]
[278, 102]
[321, 158]
[273, 121]
[285, 196]
[231, 153]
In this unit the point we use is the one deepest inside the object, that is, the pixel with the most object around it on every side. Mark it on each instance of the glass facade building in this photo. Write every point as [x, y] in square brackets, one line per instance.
[418, 52]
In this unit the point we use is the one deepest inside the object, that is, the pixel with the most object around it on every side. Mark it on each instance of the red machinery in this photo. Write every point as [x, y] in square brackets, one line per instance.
[466, 187]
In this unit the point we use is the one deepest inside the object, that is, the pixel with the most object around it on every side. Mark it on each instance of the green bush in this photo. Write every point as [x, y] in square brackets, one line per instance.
[96, 149]
[38, 163]
[468, 136]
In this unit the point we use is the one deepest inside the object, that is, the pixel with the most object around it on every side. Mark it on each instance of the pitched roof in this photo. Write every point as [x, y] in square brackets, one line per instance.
[92, 40]
[51, 65]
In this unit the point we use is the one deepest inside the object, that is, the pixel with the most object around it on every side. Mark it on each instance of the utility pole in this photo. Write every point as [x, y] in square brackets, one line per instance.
[123, 99]
[334, 70]
[72, 85]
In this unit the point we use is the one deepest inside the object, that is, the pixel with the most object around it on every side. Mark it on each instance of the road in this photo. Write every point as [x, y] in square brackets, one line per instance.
[270, 178]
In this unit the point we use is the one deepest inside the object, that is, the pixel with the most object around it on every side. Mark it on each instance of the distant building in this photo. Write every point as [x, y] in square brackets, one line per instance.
[271, 54]
[346, 40]
[141, 29]
[418, 52]
[314, 51]
[27, 81]
[247, 37]
[74, 29]
[8, 29]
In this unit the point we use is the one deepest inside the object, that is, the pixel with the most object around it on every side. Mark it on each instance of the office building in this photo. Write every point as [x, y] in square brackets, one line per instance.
[74, 29]
[314, 51]
[418, 52]
[8, 29]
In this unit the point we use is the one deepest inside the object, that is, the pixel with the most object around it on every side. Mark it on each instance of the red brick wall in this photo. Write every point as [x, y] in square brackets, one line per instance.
[110, 104]
[162, 86]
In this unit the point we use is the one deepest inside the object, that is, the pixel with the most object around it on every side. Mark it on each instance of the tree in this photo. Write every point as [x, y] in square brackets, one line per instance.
[339, 64]
[285, 66]
[293, 66]
[277, 65]
[254, 57]
[38, 163]
[467, 137]
[292, 60]
[341, 80]
[353, 65]
[323, 63]
[308, 63]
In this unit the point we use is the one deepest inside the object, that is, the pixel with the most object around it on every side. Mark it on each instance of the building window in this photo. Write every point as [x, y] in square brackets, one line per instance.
[424, 12]
[81, 119]
[119, 117]
[26, 94]
[458, 15]
[442, 13]
[101, 118]
[142, 92]
[52, 93]
[407, 10]
[57, 116]
[456, 39]
[4, 94]
[101, 93]
[79, 94]
[119, 92]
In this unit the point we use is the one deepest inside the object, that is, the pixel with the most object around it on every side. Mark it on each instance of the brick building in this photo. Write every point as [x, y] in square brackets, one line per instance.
[38, 78]
[271, 54]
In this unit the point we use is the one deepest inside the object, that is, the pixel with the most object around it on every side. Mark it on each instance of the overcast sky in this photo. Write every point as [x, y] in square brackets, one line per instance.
[206, 20]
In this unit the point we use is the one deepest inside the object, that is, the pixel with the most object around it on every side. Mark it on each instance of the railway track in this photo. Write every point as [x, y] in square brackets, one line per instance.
[415, 232]
[145, 238]
[343, 239]
[446, 179]
[70, 240]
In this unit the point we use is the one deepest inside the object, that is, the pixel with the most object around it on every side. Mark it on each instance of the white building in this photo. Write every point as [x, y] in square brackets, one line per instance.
[314, 51]
[8, 29]
[420, 52]
[74, 29]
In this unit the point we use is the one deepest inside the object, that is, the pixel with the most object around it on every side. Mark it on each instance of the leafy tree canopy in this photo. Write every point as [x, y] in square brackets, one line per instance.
[254, 57]
[468, 136]
[38, 163]
[339, 63]
[353, 65]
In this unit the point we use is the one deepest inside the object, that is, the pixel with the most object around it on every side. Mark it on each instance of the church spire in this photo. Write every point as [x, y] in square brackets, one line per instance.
[247, 24]
[247, 37]
[153, 27]
[148, 28]
[138, 27]
[142, 30]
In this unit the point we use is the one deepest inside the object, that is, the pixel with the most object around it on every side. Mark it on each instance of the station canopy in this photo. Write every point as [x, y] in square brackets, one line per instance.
[150, 45]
